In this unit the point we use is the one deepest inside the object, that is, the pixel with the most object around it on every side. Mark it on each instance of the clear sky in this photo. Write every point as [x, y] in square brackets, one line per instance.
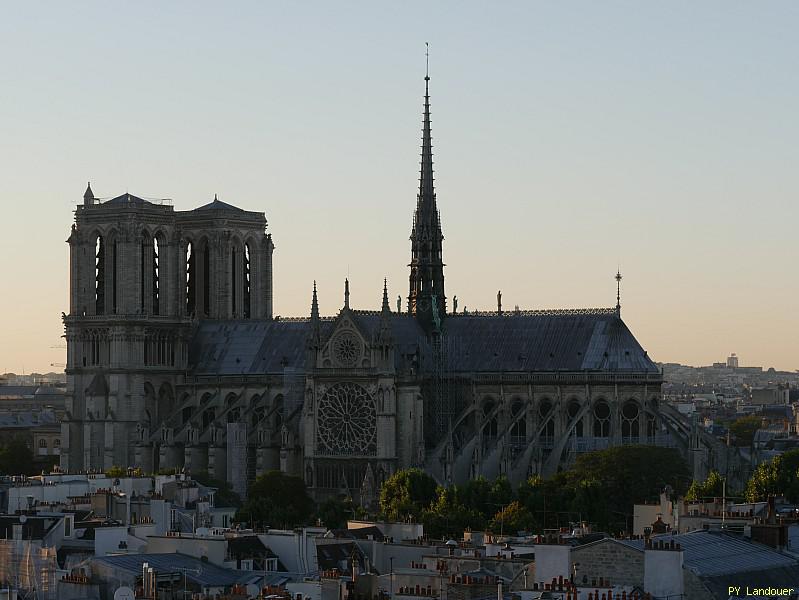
[569, 138]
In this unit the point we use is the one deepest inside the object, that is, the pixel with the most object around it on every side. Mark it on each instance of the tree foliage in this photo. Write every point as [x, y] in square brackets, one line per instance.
[408, 492]
[778, 476]
[513, 518]
[116, 472]
[744, 430]
[16, 458]
[224, 495]
[630, 474]
[448, 517]
[712, 487]
[600, 488]
[277, 500]
[334, 512]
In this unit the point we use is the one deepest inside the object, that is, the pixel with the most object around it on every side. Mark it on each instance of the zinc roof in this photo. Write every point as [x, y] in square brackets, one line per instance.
[710, 554]
[540, 342]
[207, 574]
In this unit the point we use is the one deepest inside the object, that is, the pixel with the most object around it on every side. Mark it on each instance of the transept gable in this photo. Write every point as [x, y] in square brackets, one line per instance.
[347, 345]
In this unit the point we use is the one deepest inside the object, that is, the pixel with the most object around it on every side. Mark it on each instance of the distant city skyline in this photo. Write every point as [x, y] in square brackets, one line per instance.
[569, 140]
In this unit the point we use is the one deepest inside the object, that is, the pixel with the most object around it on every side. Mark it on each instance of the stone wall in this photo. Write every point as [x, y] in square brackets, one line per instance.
[609, 559]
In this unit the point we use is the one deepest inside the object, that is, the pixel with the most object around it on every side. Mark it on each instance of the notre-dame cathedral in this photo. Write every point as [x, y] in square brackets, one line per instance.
[175, 360]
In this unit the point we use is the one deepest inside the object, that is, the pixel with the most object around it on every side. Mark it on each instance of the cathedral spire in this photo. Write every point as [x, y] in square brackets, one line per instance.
[346, 293]
[427, 268]
[384, 333]
[618, 292]
[314, 335]
[427, 194]
[386, 308]
[314, 305]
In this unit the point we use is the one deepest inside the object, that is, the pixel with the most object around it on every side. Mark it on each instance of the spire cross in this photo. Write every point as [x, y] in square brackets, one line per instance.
[426, 61]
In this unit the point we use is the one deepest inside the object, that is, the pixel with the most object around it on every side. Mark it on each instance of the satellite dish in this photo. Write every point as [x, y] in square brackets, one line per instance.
[124, 593]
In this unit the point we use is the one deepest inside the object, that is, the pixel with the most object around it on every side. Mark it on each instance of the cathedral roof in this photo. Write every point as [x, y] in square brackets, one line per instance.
[536, 341]
[219, 205]
[567, 340]
[127, 200]
[248, 347]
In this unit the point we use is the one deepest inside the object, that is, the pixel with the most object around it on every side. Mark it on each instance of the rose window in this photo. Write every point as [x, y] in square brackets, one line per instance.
[346, 421]
[347, 349]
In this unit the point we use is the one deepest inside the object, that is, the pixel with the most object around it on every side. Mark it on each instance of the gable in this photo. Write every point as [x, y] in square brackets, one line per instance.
[346, 347]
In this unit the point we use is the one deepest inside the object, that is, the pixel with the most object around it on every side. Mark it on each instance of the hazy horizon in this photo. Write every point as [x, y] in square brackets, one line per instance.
[569, 140]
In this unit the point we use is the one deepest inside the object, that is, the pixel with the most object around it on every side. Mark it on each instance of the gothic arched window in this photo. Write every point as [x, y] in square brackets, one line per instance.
[191, 276]
[247, 279]
[144, 262]
[629, 420]
[518, 430]
[99, 275]
[574, 409]
[156, 275]
[490, 428]
[111, 261]
[602, 419]
[234, 284]
[545, 413]
[206, 262]
[209, 414]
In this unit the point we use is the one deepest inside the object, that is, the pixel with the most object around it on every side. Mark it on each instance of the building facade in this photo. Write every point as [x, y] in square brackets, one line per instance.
[175, 360]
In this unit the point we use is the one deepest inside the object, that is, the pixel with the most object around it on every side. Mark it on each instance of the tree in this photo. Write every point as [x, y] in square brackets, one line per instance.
[501, 492]
[224, 495]
[533, 495]
[115, 472]
[712, 487]
[277, 500]
[447, 517]
[778, 476]
[334, 512]
[602, 486]
[744, 430]
[16, 458]
[631, 474]
[512, 518]
[407, 492]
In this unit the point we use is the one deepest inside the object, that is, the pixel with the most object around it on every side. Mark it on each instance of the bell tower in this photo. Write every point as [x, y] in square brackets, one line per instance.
[426, 298]
[126, 333]
[141, 276]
